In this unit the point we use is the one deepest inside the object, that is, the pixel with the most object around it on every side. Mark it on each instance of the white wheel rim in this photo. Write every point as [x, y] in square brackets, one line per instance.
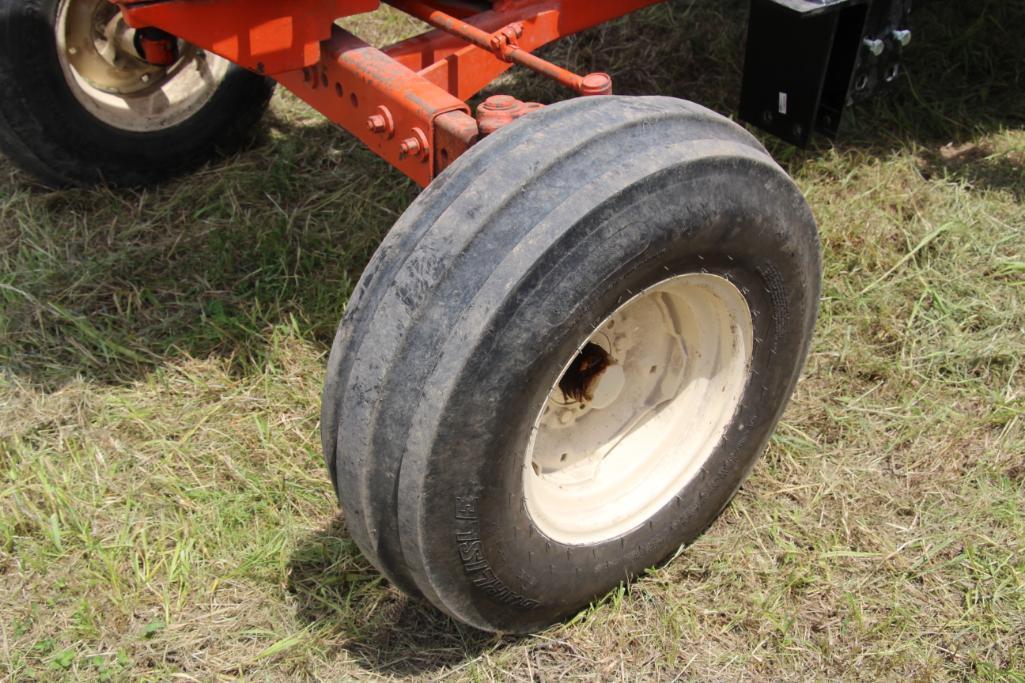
[605, 462]
[113, 84]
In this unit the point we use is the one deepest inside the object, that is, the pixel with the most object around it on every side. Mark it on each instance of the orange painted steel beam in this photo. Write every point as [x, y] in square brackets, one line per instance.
[266, 36]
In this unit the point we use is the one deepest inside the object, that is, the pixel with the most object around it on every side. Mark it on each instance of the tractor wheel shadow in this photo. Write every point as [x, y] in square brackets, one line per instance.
[387, 633]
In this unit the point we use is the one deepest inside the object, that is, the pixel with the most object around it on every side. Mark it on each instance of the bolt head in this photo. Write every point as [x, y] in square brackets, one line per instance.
[377, 123]
[416, 145]
[410, 147]
[875, 46]
[144, 78]
[903, 37]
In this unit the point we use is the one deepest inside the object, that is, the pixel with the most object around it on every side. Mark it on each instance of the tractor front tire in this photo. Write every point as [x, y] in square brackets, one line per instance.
[567, 356]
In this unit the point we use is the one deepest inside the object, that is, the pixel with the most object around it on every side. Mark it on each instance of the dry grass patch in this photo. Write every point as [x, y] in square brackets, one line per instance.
[164, 510]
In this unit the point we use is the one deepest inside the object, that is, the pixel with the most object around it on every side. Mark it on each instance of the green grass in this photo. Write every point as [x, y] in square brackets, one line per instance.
[165, 513]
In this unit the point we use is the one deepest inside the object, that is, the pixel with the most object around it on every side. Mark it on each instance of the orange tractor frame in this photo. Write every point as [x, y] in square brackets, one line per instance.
[407, 101]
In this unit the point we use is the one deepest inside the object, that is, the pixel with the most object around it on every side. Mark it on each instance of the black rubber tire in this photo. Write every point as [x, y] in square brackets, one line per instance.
[481, 293]
[46, 131]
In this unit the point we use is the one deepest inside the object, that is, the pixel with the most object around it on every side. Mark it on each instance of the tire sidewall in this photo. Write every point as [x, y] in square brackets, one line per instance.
[693, 219]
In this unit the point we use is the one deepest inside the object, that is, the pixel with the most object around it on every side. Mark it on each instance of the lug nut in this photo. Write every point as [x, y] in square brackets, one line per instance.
[902, 36]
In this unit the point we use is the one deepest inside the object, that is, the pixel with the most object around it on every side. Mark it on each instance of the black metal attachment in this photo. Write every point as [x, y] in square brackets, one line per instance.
[887, 32]
[807, 60]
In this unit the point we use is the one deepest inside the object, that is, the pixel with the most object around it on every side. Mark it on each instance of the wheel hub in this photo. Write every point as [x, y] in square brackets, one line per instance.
[639, 409]
[608, 387]
[100, 46]
[105, 73]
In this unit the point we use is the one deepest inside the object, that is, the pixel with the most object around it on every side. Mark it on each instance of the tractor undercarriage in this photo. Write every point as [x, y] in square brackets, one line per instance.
[807, 60]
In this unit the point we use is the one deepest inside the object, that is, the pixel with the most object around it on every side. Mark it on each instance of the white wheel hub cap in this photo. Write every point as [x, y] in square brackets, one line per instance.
[109, 79]
[639, 409]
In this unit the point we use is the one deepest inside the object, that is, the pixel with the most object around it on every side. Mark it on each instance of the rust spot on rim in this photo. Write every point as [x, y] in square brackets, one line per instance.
[578, 383]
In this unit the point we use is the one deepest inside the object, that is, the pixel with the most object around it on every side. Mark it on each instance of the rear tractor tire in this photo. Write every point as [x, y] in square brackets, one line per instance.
[567, 355]
[78, 106]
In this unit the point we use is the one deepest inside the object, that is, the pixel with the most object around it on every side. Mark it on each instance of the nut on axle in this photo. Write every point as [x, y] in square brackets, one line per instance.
[155, 46]
[501, 110]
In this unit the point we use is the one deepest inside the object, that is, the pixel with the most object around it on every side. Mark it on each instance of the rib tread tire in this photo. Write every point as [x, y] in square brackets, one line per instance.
[468, 234]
